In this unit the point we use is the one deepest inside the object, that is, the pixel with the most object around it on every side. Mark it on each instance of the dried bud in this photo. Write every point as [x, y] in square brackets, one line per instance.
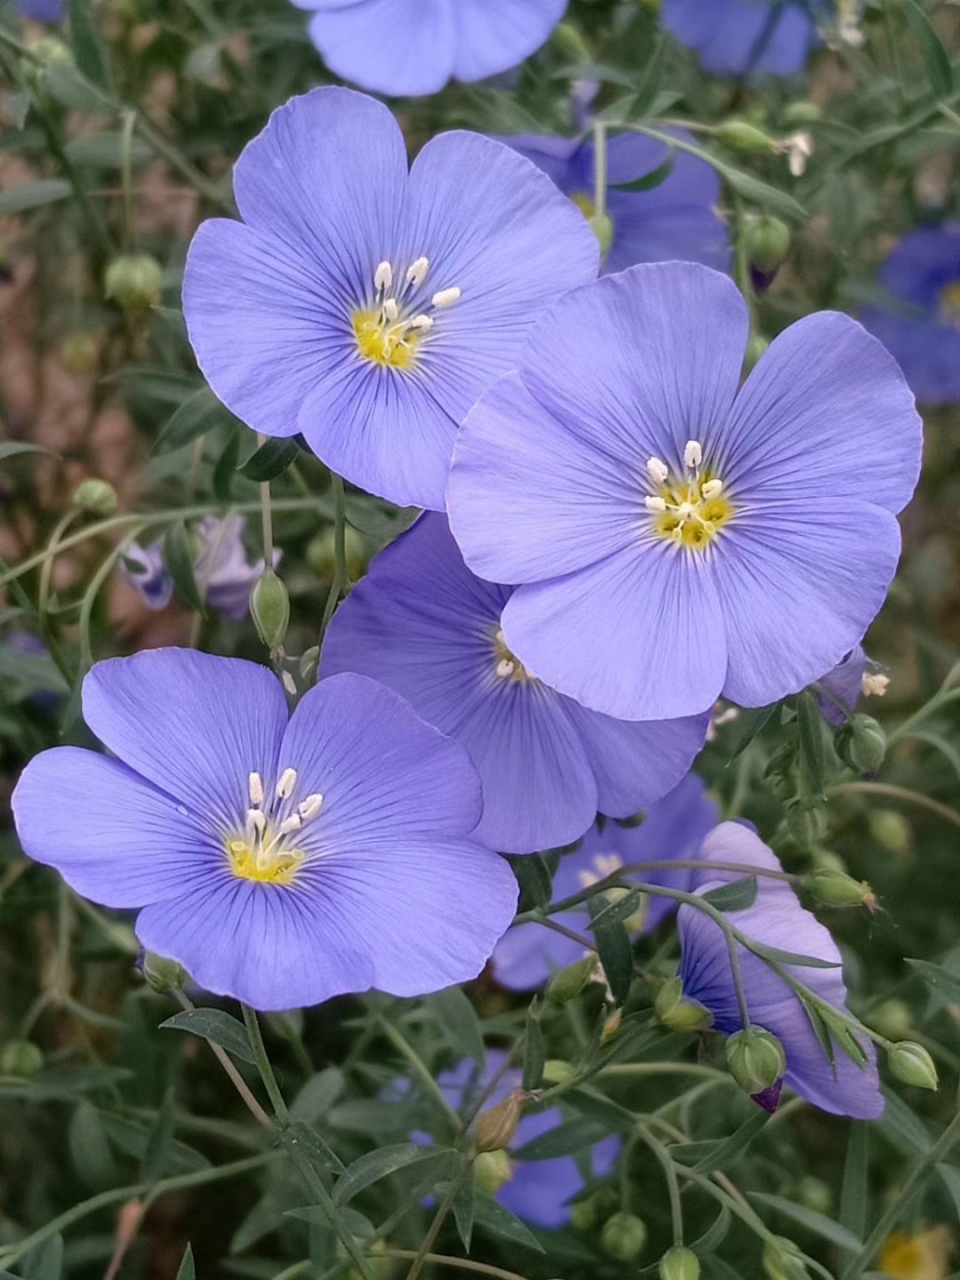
[911, 1064]
[677, 1013]
[134, 281]
[756, 1060]
[491, 1170]
[836, 889]
[159, 973]
[862, 744]
[679, 1264]
[570, 981]
[602, 227]
[741, 135]
[496, 1125]
[95, 497]
[782, 1260]
[270, 608]
[21, 1059]
[623, 1237]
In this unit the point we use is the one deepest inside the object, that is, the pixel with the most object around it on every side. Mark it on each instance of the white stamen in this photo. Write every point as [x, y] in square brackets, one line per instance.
[416, 272]
[655, 504]
[684, 510]
[421, 322]
[255, 790]
[310, 807]
[657, 470]
[712, 489]
[874, 686]
[390, 309]
[383, 277]
[288, 780]
[257, 820]
[692, 454]
[505, 668]
[288, 683]
[293, 823]
[446, 297]
[501, 638]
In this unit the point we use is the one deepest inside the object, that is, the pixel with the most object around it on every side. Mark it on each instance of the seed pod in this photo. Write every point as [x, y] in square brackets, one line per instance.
[21, 1059]
[134, 281]
[491, 1170]
[570, 981]
[270, 608]
[756, 1060]
[782, 1260]
[679, 1264]
[836, 889]
[496, 1125]
[741, 135]
[95, 497]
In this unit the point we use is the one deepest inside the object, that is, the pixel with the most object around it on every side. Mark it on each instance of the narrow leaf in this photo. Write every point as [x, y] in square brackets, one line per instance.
[218, 1027]
[536, 881]
[179, 564]
[855, 1189]
[45, 1262]
[199, 414]
[534, 1050]
[793, 957]
[11, 448]
[614, 948]
[567, 1139]
[156, 1155]
[459, 1020]
[818, 1223]
[812, 756]
[187, 1269]
[650, 180]
[730, 1150]
[498, 1221]
[104, 150]
[939, 71]
[270, 460]
[373, 1166]
[750, 721]
[88, 48]
[225, 468]
[464, 1210]
[736, 896]
[318, 1095]
[938, 979]
[31, 195]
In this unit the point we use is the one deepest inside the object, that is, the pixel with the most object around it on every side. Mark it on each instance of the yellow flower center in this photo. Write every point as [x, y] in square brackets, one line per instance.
[506, 665]
[268, 850]
[393, 345]
[391, 330]
[250, 861]
[689, 509]
[584, 202]
[949, 299]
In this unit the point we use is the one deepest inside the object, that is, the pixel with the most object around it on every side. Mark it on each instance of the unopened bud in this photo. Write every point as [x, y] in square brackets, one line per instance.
[623, 1237]
[583, 1214]
[756, 347]
[80, 353]
[815, 1194]
[568, 40]
[322, 553]
[95, 497]
[802, 112]
[862, 744]
[767, 245]
[679, 1264]
[740, 135]
[891, 829]
[602, 227]
[491, 1170]
[837, 889]
[159, 973]
[782, 1260]
[911, 1064]
[496, 1126]
[270, 608]
[677, 1013]
[556, 1071]
[756, 1060]
[570, 981]
[52, 50]
[21, 1059]
[134, 281]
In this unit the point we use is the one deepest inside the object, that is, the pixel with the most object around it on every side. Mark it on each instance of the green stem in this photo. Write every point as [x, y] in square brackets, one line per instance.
[941, 699]
[267, 514]
[236, 1079]
[264, 1065]
[399, 1042]
[599, 169]
[340, 580]
[897, 793]
[126, 174]
[96, 224]
[670, 1173]
[446, 1204]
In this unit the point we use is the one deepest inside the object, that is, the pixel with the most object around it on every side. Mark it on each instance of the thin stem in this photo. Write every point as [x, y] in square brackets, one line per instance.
[264, 1066]
[897, 793]
[236, 1079]
[267, 512]
[599, 169]
[670, 1174]
[446, 1204]
[340, 580]
[399, 1041]
[444, 1260]
[939, 700]
[95, 224]
[180, 164]
[126, 174]
[43, 590]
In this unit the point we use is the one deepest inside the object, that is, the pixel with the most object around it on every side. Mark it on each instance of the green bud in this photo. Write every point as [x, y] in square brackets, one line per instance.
[95, 497]
[815, 1194]
[755, 349]
[862, 744]
[491, 1170]
[80, 352]
[602, 227]
[623, 1237]
[891, 829]
[569, 41]
[767, 242]
[134, 281]
[740, 135]
[679, 1264]
[677, 1013]
[837, 889]
[52, 50]
[496, 1126]
[161, 974]
[756, 1059]
[556, 1071]
[583, 1214]
[807, 826]
[322, 556]
[270, 608]
[911, 1064]
[21, 1059]
[802, 113]
[782, 1260]
[569, 982]
[892, 1019]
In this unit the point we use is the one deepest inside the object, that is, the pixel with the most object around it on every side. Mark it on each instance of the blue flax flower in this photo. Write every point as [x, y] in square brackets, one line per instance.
[775, 919]
[738, 37]
[414, 47]
[423, 624]
[674, 220]
[367, 306]
[51, 11]
[280, 859]
[675, 535]
[673, 827]
[922, 325]
[538, 1191]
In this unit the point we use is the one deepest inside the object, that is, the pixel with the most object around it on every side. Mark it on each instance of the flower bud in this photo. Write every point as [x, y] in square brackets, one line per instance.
[79, 353]
[767, 245]
[21, 1059]
[802, 112]
[95, 497]
[602, 227]
[556, 1071]
[755, 349]
[134, 281]
[583, 1214]
[836, 889]
[159, 973]
[815, 1194]
[270, 608]
[52, 50]
[891, 829]
[623, 1237]
[740, 135]
[491, 1170]
[911, 1064]
[611, 1026]
[756, 1060]
[568, 41]
[679, 1264]
[677, 1013]
[782, 1260]
[496, 1125]
[862, 744]
[570, 981]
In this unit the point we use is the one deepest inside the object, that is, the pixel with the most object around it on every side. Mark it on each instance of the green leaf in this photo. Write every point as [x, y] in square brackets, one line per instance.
[90, 1149]
[614, 948]
[88, 48]
[318, 1095]
[498, 1221]
[935, 58]
[818, 1223]
[45, 1262]
[901, 1126]
[73, 1082]
[259, 1222]
[157, 1152]
[104, 150]
[179, 564]
[69, 86]
[373, 1166]
[940, 743]
[31, 195]
[321, 1156]
[225, 468]
[566, 1139]
[735, 896]
[750, 722]
[535, 877]
[650, 180]
[812, 756]
[270, 460]
[855, 1189]
[792, 957]
[459, 1020]
[193, 419]
[728, 1151]
[187, 1270]
[534, 1050]
[464, 1210]
[761, 193]
[11, 448]
[717, 1269]
[714, 1235]
[609, 1113]
[938, 979]
[132, 1137]
[17, 106]
[218, 1027]
[950, 1176]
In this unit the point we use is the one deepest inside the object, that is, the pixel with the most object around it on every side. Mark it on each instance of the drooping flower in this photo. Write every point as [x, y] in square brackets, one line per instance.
[538, 1191]
[367, 306]
[280, 859]
[676, 538]
[423, 624]
[746, 37]
[673, 827]
[673, 220]
[775, 919]
[395, 47]
[921, 325]
[223, 573]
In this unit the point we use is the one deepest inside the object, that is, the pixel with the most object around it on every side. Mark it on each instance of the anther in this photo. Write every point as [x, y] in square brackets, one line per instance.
[505, 668]
[417, 271]
[288, 780]
[383, 277]
[255, 790]
[293, 823]
[446, 297]
[390, 309]
[657, 470]
[655, 504]
[421, 322]
[310, 807]
[874, 686]
[692, 454]
[712, 489]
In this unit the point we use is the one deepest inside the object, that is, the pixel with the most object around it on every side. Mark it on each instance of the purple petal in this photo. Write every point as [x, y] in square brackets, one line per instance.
[927, 351]
[494, 35]
[844, 682]
[529, 953]
[734, 37]
[385, 45]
